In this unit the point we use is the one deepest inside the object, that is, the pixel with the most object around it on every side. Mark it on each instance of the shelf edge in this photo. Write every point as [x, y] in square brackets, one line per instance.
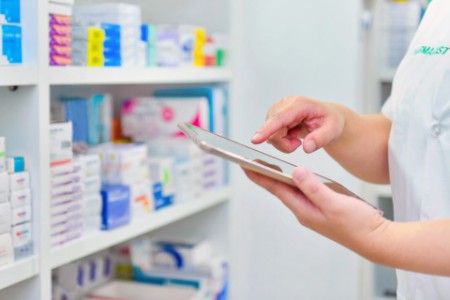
[18, 271]
[89, 245]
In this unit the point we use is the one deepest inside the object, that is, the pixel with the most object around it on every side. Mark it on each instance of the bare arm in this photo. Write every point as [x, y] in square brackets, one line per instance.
[362, 148]
[357, 142]
[417, 246]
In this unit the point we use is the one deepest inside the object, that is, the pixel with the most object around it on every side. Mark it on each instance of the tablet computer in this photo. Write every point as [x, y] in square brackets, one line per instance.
[250, 158]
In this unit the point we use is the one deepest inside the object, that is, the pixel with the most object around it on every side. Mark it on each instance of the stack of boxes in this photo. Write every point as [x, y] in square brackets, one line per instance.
[132, 49]
[10, 33]
[149, 37]
[60, 32]
[15, 208]
[112, 45]
[20, 198]
[6, 245]
[88, 170]
[154, 121]
[87, 45]
[73, 280]
[187, 166]
[66, 188]
[111, 34]
[126, 166]
[91, 117]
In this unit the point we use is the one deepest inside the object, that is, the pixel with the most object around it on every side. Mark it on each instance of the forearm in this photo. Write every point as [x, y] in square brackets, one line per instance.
[419, 247]
[362, 148]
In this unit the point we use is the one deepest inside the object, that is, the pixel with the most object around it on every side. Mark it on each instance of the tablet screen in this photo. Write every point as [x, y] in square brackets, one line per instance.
[244, 151]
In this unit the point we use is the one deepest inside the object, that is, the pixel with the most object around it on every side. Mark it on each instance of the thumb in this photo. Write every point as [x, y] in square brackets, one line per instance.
[310, 185]
[319, 138]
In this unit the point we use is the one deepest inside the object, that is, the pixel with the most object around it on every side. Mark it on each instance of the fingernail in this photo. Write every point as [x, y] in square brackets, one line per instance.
[299, 174]
[257, 136]
[309, 145]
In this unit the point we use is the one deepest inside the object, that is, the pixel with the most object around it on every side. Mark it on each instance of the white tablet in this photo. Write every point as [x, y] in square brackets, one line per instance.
[250, 158]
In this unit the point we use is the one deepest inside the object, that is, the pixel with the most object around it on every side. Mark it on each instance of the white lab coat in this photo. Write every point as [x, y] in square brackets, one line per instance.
[419, 145]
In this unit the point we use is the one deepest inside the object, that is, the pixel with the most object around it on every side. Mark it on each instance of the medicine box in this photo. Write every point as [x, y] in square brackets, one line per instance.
[116, 206]
[61, 143]
[92, 185]
[21, 215]
[162, 175]
[180, 254]
[149, 118]
[142, 200]
[90, 164]
[9, 11]
[92, 205]
[19, 181]
[4, 187]
[10, 44]
[123, 164]
[23, 251]
[61, 9]
[17, 164]
[6, 249]
[21, 235]
[20, 198]
[5, 217]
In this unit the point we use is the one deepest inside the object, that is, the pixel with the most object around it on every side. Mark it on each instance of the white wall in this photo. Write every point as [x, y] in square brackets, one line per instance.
[290, 47]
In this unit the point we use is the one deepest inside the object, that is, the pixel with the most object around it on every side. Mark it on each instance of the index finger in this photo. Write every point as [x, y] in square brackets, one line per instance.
[273, 124]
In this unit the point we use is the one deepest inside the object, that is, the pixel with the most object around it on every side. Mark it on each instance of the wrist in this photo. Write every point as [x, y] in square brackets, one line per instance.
[377, 242]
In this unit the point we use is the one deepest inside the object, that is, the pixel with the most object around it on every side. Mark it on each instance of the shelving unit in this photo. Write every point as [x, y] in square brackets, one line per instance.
[24, 121]
[103, 240]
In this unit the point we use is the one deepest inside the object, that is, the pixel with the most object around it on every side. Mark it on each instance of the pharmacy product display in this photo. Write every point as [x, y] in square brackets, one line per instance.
[146, 269]
[91, 117]
[113, 35]
[10, 32]
[15, 208]
[60, 30]
[75, 279]
[98, 182]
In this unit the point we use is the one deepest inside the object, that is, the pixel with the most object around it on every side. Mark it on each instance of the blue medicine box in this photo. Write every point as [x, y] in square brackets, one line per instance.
[116, 206]
[161, 200]
[10, 11]
[11, 43]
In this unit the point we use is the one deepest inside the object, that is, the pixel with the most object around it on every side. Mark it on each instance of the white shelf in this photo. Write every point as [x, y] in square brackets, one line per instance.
[17, 75]
[90, 76]
[18, 271]
[106, 239]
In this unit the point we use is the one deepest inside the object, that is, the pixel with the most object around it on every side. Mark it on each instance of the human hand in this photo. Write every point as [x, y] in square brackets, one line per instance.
[344, 219]
[295, 118]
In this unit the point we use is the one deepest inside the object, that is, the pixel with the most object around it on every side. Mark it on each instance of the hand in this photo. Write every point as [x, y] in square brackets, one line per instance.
[295, 118]
[344, 219]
